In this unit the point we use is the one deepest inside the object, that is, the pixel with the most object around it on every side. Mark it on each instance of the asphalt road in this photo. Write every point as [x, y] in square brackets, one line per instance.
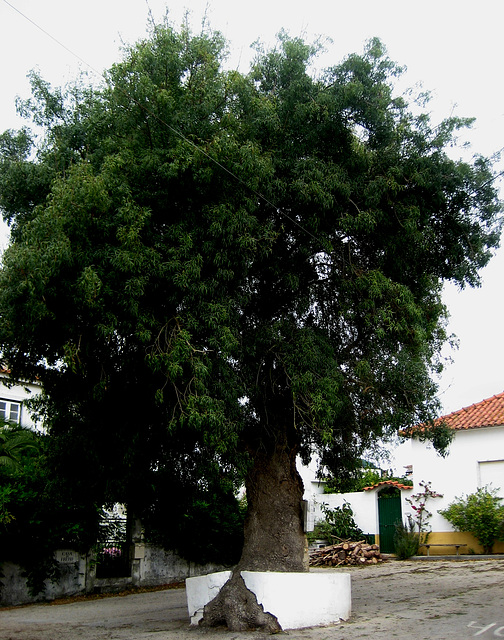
[418, 600]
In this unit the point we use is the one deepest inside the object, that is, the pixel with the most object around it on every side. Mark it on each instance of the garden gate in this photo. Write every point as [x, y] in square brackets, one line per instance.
[389, 514]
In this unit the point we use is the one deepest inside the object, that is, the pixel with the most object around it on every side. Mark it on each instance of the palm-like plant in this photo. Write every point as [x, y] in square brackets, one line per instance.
[15, 441]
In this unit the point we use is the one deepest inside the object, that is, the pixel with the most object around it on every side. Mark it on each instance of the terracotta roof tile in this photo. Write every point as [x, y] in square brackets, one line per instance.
[388, 483]
[487, 413]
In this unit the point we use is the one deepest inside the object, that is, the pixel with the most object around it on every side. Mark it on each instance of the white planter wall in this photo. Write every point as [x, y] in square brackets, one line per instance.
[297, 600]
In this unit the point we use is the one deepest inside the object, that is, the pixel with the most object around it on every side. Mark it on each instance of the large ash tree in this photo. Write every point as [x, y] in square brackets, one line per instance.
[218, 273]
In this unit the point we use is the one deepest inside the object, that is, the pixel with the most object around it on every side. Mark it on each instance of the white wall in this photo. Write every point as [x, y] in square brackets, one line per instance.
[363, 504]
[476, 456]
[308, 475]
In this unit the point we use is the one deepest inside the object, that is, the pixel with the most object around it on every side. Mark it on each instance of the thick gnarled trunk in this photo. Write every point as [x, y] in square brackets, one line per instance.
[237, 608]
[274, 535]
[274, 538]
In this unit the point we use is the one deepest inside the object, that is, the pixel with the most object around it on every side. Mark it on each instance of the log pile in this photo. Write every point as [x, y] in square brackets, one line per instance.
[346, 553]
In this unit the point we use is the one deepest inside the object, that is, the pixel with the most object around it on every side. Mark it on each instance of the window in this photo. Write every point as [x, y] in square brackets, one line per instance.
[10, 411]
[491, 472]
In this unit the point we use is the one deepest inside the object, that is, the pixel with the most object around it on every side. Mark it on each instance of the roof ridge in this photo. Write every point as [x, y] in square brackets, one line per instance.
[390, 483]
[488, 412]
[474, 404]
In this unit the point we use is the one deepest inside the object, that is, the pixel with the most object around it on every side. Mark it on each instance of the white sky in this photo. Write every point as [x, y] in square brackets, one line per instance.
[454, 49]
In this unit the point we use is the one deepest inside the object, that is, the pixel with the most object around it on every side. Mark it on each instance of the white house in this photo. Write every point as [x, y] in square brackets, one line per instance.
[475, 459]
[13, 401]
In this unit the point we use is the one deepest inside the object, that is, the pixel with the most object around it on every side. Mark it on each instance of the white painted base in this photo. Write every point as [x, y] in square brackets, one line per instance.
[296, 599]
[200, 590]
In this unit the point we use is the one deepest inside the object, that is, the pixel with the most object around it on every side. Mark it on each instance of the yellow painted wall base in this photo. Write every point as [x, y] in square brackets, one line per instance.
[456, 537]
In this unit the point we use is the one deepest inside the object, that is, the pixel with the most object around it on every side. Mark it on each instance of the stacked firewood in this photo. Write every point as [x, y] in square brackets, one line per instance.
[346, 553]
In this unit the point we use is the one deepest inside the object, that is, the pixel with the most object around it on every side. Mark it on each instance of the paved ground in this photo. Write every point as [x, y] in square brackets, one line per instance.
[418, 600]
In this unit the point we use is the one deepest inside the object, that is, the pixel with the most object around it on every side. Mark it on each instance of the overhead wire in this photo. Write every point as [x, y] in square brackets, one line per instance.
[178, 133]
[175, 131]
[58, 42]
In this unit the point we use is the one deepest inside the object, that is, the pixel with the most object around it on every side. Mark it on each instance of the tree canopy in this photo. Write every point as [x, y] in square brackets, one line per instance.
[225, 270]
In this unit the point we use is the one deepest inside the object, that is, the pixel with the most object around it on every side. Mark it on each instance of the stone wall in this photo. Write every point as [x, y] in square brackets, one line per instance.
[150, 566]
[72, 581]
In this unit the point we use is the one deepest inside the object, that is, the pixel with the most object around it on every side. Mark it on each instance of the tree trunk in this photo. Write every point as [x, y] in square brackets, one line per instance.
[237, 608]
[274, 533]
[274, 538]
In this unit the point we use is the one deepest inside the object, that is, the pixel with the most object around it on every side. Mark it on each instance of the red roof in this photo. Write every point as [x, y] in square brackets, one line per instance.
[487, 413]
[388, 483]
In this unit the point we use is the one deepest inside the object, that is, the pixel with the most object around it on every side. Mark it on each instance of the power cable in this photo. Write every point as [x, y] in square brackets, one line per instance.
[75, 55]
[173, 129]
[178, 133]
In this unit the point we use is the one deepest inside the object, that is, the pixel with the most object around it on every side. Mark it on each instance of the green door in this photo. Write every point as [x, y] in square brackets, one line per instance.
[389, 514]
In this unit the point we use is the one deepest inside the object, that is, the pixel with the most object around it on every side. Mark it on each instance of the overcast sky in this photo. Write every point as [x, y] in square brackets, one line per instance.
[454, 49]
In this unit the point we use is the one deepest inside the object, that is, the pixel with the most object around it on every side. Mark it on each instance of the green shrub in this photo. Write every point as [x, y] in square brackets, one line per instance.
[479, 513]
[406, 540]
[37, 513]
[338, 523]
